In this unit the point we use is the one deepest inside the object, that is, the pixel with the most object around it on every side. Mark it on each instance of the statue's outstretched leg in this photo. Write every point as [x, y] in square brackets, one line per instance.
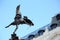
[16, 29]
[8, 26]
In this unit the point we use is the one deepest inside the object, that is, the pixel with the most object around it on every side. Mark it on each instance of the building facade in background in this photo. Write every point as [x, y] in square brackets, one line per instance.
[48, 32]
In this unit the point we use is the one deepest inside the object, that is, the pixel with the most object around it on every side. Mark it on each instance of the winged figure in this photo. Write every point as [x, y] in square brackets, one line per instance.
[19, 20]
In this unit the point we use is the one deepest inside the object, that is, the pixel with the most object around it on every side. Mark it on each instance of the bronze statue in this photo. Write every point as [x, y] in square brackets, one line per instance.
[19, 20]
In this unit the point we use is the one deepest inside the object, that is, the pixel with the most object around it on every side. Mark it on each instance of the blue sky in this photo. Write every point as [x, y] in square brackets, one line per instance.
[39, 11]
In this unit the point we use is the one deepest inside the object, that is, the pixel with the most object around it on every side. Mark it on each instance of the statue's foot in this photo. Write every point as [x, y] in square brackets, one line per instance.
[6, 26]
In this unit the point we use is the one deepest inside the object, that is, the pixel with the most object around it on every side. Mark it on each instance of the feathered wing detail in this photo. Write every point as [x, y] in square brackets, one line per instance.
[18, 14]
[18, 9]
[28, 21]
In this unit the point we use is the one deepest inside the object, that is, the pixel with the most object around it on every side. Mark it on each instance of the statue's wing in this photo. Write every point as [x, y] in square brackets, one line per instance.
[29, 22]
[18, 14]
[18, 9]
